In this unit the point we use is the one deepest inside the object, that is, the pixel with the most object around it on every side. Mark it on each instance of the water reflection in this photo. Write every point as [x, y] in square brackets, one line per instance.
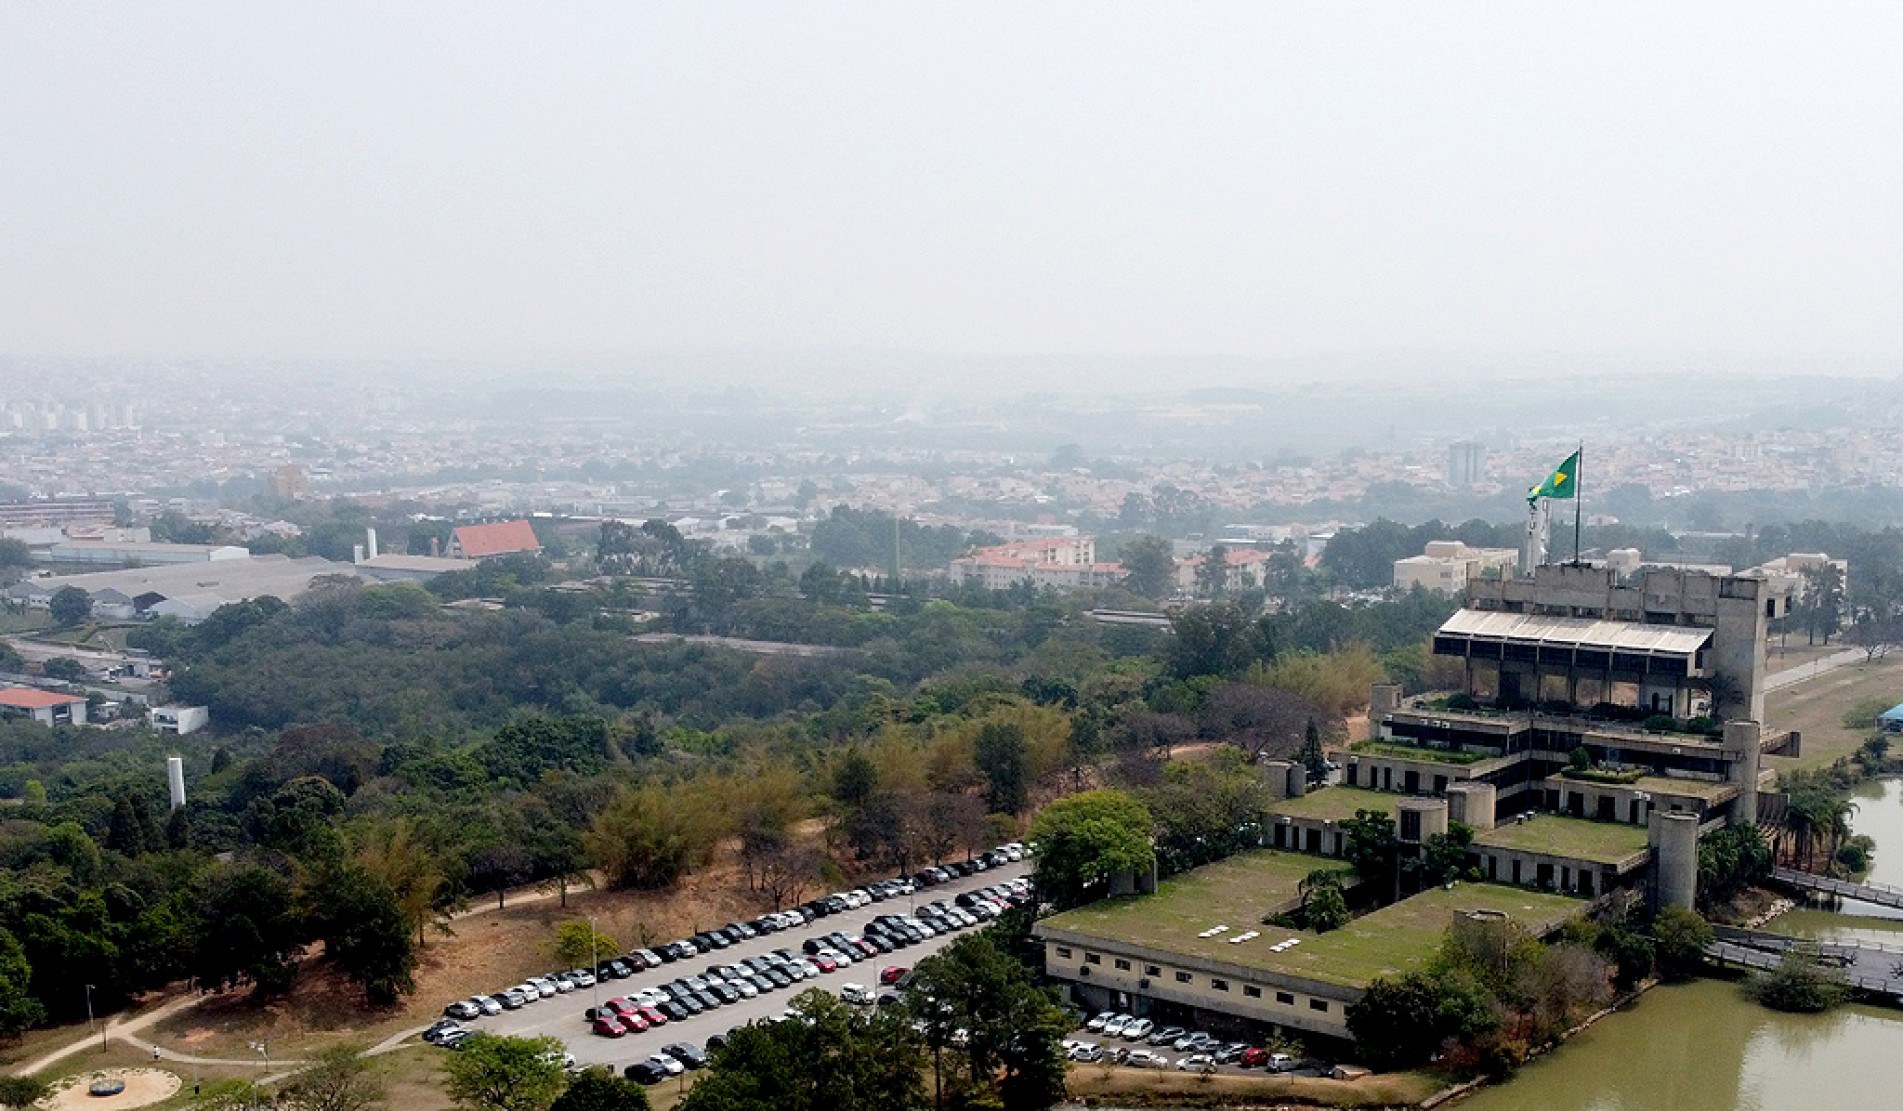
[1704, 1047]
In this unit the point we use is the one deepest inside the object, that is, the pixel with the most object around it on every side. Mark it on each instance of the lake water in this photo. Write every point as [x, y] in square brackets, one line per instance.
[1704, 1047]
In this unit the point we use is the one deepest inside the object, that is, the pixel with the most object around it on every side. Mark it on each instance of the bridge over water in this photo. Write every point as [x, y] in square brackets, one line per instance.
[1867, 965]
[1875, 893]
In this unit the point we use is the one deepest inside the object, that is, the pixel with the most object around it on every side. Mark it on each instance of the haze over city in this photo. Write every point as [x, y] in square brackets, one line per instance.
[1227, 194]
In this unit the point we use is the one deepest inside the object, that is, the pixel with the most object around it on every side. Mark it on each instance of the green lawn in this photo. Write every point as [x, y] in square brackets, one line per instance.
[1576, 838]
[1337, 803]
[1238, 892]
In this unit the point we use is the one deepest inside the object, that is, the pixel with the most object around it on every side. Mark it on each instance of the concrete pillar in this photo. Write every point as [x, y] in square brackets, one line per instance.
[1276, 773]
[1417, 819]
[1382, 699]
[1472, 803]
[1297, 780]
[1742, 742]
[1674, 838]
[175, 779]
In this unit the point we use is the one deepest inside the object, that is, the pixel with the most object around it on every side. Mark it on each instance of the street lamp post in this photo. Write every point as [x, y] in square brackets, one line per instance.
[89, 1017]
[594, 966]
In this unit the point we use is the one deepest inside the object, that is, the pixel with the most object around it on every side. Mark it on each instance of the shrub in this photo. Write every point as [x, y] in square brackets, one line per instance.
[1801, 983]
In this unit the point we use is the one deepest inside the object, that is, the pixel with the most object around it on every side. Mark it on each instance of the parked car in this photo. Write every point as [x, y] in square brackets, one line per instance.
[687, 1054]
[607, 1025]
[1144, 1059]
[487, 1004]
[441, 1027]
[1139, 1029]
[857, 994]
[667, 1064]
[892, 974]
[463, 1009]
[1196, 1062]
[1167, 1035]
[645, 1072]
[1115, 1027]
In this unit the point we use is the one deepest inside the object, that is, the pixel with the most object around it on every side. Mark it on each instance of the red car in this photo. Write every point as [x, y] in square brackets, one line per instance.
[893, 974]
[652, 1017]
[609, 1027]
[634, 1024]
[1253, 1058]
[825, 963]
[621, 1006]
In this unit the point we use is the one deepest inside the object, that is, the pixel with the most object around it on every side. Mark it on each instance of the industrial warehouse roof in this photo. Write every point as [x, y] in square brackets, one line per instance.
[25, 698]
[1575, 632]
[222, 581]
[502, 538]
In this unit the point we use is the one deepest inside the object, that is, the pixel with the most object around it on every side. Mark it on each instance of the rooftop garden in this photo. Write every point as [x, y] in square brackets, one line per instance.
[1402, 750]
[1573, 838]
[1336, 804]
[1391, 941]
[1609, 713]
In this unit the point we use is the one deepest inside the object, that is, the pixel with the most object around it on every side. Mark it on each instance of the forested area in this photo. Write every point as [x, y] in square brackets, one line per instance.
[380, 760]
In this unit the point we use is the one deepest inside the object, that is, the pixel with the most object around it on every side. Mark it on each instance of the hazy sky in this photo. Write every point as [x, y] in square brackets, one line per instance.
[1264, 180]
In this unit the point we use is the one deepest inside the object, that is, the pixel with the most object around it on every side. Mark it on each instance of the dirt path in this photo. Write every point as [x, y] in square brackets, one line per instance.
[116, 1027]
[125, 1028]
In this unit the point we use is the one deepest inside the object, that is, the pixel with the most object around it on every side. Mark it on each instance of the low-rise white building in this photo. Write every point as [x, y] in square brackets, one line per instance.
[179, 719]
[1448, 566]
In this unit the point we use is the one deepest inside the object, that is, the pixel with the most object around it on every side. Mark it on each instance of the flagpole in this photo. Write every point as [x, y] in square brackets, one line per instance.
[1579, 496]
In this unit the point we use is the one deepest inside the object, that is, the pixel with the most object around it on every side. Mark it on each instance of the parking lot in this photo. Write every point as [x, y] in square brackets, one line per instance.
[562, 1016]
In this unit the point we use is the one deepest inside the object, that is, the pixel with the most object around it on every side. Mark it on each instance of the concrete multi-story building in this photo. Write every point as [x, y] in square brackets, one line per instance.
[1447, 566]
[1466, 463]
[1601, 726]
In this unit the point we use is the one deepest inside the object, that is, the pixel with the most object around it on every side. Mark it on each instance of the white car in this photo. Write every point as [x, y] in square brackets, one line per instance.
[1139, 1029]
[667, 1064]
[1098, 1022]
[1145, 1059]
[1087, 1052]
[1196, 1062]
[1115, 1027]
[486, 1004]
[856, 993]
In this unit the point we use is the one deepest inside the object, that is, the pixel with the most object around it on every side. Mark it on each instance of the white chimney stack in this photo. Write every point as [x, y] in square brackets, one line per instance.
[175, 779]
[356, 553]
[370, 542]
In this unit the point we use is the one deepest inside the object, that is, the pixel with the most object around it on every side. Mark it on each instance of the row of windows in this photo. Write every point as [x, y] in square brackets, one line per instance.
[1249, 991]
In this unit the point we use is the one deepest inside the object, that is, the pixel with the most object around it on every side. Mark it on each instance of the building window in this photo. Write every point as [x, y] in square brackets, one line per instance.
[1152, 970]
[1063, 952]
[1285, 998]
[1251, 992]
[1219, 985]
[1318, 1004]
[1093, 958]
[1123, 966]
[1182, 977]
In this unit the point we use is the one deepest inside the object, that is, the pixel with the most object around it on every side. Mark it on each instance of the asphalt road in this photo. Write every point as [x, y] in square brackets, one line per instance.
[561, 1016]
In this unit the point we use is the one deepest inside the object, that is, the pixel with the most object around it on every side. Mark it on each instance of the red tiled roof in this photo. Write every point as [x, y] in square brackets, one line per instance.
[478, 541]
[25, 698]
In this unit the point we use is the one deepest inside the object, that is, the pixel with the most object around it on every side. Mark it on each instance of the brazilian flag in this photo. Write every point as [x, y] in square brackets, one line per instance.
[1562, 483]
